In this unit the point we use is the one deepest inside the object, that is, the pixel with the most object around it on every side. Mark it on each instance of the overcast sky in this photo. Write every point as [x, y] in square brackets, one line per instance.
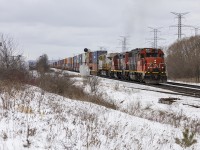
[63, 28]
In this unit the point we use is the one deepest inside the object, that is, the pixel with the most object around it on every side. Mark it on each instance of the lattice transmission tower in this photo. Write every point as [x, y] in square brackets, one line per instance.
[155, 37]
[180, 25]
[124, 43]
[196, 30]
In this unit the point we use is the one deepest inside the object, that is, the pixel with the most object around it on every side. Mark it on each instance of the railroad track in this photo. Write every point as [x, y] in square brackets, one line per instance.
[182, 89]
[184, 85]
[176, 88]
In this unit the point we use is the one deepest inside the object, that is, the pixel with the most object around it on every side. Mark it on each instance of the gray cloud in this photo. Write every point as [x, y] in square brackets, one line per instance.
[63, 28]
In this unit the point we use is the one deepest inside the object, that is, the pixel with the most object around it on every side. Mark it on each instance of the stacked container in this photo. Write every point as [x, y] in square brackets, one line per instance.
[80, 59]
[62, 61]
[74, 63]
[69, 63]
[88, 59]
[59, 64]
[65, 64]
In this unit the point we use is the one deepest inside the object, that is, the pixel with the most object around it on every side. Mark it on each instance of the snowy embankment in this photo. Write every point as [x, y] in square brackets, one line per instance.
[55, 122]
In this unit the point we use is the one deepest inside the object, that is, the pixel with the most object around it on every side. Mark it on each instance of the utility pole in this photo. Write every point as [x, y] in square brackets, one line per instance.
[155, 37]
[180, 25]
[124, 43]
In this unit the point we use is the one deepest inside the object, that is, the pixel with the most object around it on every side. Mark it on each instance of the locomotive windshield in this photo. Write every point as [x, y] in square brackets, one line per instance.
[151, 54]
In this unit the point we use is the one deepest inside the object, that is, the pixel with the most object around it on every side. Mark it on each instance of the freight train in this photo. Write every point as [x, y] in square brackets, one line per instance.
[140, 64]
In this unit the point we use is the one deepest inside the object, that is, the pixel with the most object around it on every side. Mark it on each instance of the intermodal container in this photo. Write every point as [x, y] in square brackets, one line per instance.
[62, 63]
[74, 63]
[80, 59]
[69, 63]
[65, 64]
[93, 69]
[88, 59]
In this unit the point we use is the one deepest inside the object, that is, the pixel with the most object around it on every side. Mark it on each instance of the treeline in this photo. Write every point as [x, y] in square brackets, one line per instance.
[183, 59]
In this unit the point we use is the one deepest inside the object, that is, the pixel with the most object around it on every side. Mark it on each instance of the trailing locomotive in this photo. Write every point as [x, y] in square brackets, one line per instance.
[141, 64]
[144, 65]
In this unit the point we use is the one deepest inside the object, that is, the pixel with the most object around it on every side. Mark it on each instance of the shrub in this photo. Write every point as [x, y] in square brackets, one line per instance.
[93, 82]
[55, 83]
[188, 139]
[64, 86]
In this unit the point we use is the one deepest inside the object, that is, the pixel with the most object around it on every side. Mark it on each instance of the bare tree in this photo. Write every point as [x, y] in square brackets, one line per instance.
[12, 66]
[6, 52]
[43, 64]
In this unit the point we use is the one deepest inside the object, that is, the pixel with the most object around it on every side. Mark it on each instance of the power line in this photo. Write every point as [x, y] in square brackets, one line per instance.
[180, 25]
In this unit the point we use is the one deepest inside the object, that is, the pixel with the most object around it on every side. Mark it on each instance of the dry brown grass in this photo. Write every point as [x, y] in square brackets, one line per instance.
[64, 86]
[25, 109]
[8, 91]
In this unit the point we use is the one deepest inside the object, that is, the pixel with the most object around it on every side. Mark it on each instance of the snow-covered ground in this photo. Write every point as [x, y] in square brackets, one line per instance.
[59, 123]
